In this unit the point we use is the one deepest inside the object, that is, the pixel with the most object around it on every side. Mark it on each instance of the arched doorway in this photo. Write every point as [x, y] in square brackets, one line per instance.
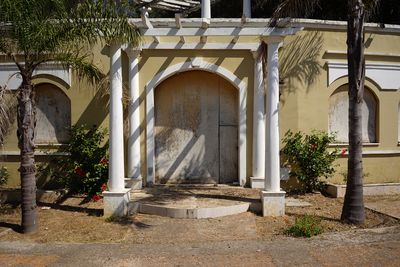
[196, 129]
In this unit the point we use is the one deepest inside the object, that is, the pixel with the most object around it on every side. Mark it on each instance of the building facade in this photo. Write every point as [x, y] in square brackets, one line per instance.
[210, 99]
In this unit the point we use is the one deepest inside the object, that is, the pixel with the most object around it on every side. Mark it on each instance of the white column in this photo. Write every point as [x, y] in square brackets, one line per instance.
[247, 8]
[116, 165]
[134, 115]
[258, 119]
[205, 9]
[272, 161]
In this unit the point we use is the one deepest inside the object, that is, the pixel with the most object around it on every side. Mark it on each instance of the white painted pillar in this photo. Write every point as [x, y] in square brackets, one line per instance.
[134, 115]
[258, 119]
[116, 181]
[247, 8]
[272, 160]
[205, 9]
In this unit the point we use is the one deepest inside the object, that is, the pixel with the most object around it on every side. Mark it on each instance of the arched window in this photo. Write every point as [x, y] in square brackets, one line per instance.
[53, 115]
[339, 113]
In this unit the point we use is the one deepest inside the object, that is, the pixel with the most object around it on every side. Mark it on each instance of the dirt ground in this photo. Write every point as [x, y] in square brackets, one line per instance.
[73, 220]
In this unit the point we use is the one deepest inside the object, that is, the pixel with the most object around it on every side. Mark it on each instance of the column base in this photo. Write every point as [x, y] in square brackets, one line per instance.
[257, 182]
[273, 203]
[134, 183]
[116, 203]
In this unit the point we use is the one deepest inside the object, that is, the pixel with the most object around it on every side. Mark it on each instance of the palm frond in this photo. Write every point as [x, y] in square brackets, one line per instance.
[8, 105]
[81, 63]
[293, 8]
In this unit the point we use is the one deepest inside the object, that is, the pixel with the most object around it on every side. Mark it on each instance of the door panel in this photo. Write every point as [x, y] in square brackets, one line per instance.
[228, 144]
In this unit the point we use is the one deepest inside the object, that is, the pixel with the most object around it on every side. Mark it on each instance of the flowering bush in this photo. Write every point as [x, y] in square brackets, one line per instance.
[86, 169]
[308, 157]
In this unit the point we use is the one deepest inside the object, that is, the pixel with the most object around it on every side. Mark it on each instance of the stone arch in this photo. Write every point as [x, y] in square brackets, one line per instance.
[338, 115]
[195, 64]
[53, 115]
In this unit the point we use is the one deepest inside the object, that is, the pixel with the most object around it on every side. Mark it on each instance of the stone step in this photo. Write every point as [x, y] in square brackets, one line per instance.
[185, 207]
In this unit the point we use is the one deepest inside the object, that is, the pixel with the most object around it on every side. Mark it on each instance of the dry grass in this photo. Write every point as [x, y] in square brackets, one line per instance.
[75, 221]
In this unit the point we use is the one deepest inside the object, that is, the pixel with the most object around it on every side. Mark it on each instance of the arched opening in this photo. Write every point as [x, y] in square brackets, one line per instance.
[196, 129]
[339, 113]
[53, 115]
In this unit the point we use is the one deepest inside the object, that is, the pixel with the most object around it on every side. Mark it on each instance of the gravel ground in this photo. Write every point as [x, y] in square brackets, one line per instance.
[73, 220]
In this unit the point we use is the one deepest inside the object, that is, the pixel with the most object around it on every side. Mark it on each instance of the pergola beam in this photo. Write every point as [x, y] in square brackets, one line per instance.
[227, 31]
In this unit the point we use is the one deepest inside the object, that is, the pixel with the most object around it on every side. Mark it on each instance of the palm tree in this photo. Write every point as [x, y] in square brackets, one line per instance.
[353, 207]
[34, 32]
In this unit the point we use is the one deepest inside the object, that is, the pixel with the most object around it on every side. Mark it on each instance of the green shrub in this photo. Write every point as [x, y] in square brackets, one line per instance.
[305, 226]
[308, 158]
[4, 175]
[86, 169]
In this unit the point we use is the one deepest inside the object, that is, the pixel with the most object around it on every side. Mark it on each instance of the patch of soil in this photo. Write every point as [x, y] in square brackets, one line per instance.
[74, 220]
[327, 210]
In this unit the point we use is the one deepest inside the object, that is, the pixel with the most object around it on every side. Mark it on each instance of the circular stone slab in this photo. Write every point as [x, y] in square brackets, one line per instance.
[192, 207]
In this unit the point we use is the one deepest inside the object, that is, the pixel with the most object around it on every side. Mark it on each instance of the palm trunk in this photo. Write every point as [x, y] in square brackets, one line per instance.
[353, 207]
[26, 128]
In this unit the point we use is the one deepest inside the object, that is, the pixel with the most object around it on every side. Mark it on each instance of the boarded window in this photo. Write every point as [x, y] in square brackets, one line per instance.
[339, 113]
[53, 115]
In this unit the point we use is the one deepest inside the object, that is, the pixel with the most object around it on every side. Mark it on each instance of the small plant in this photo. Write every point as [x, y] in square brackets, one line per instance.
[4, 175]
[308, 158]
[305, 226]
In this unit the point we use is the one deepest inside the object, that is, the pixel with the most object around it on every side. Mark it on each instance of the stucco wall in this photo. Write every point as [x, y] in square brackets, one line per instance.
[305, 92]
[305, 106]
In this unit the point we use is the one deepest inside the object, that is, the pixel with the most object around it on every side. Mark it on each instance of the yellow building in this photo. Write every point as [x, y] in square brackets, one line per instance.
[200, 110]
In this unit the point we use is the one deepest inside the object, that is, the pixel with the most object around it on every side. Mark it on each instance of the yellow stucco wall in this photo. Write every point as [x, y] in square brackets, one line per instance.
[304, 92]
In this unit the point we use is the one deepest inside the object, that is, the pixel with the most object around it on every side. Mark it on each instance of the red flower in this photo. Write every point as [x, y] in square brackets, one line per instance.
[104, 187]
[313, 146]
[104, 161]
[96, 198]
[80, 172]
[344, 150]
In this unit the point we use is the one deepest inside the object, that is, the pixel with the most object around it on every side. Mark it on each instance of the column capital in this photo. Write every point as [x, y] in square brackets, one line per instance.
[133, 52]
[273, 40]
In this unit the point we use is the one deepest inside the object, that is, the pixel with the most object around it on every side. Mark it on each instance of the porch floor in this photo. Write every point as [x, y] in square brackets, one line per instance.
[198, 201]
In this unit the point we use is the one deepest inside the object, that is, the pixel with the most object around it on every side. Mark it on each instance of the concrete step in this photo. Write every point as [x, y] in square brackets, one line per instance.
[185, 207]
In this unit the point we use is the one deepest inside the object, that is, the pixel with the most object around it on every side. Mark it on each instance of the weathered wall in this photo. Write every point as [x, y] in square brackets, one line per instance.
[305, 103]
[305, 93]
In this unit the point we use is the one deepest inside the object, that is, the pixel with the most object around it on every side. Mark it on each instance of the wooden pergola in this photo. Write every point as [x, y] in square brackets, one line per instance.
[179, 6]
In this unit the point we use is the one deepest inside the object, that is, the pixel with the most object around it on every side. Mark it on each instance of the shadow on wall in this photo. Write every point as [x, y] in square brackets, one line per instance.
[299, 61]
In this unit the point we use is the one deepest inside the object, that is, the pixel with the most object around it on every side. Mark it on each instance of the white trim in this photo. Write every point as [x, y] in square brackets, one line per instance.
[9, 73]
[367, 54]
[37, 153]
[228, 31]
[215, 46]
[187, 66]
[381, 152]
[387, 76]
[263, 23]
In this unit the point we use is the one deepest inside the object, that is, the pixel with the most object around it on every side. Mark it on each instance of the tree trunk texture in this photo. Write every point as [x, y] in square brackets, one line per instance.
[26, 129]
[353, 207]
